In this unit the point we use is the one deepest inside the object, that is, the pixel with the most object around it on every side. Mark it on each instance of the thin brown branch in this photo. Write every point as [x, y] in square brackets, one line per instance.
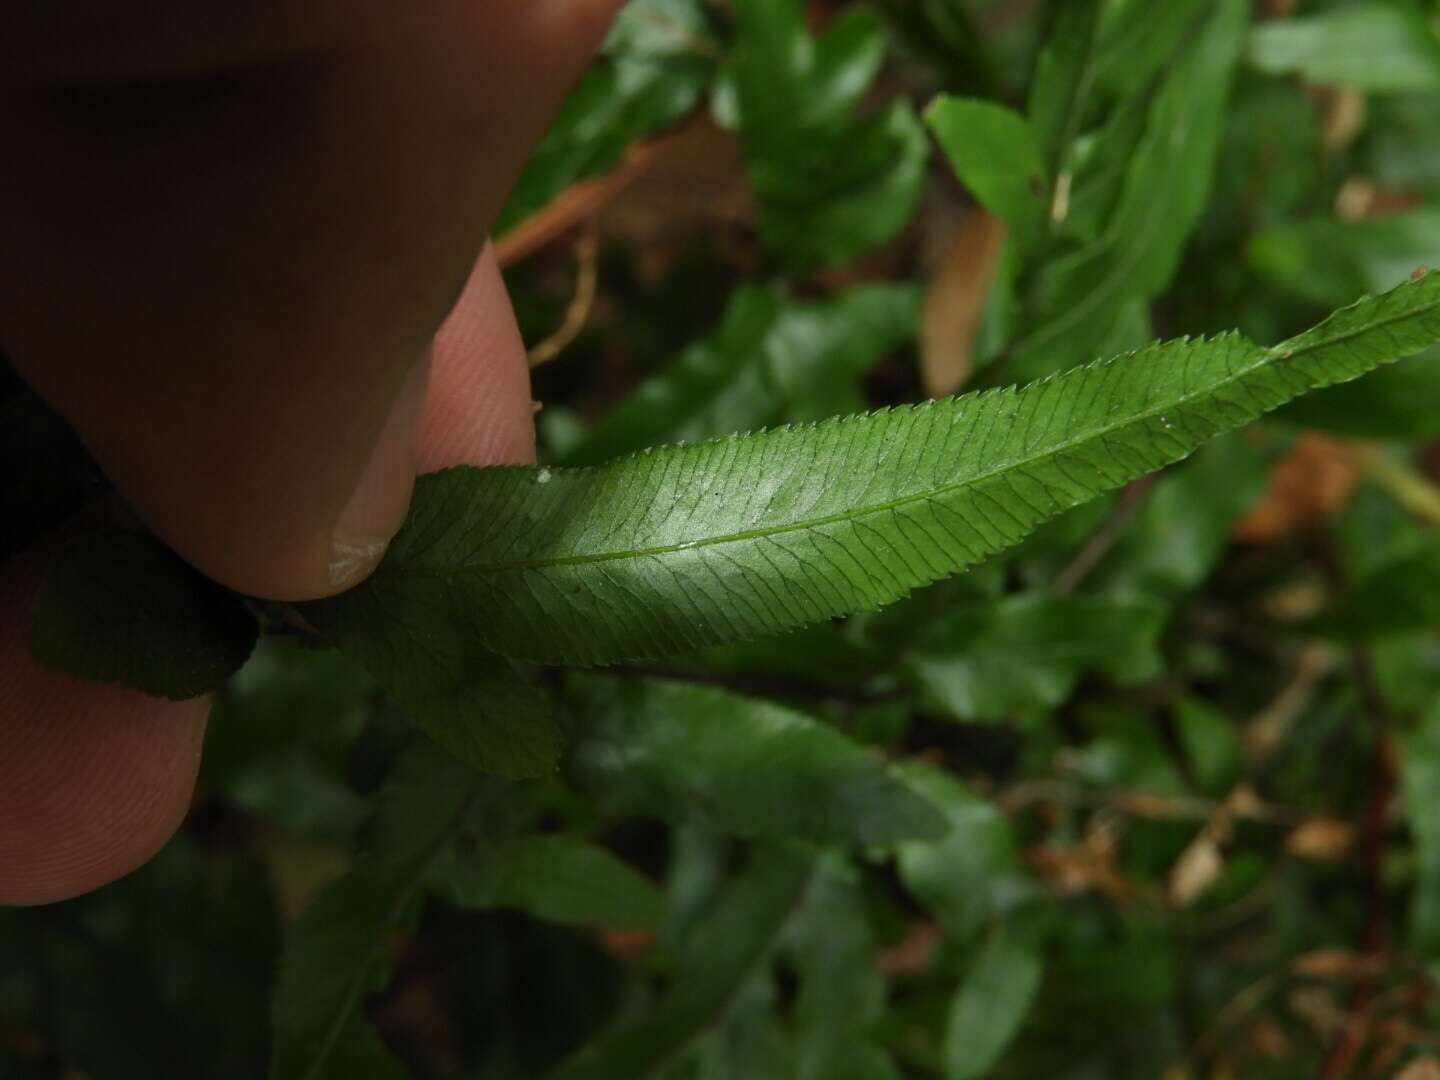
[581, 202]
[1106, 537]
[577, 315]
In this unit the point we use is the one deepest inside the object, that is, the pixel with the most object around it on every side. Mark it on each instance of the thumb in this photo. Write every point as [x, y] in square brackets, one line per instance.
[230, 282]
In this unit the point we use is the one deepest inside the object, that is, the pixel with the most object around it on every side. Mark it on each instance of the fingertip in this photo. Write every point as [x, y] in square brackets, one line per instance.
[94, 780]
[479, 410]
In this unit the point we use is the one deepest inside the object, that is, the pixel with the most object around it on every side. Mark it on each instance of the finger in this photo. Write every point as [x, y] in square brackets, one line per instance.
[230, 285]
[93, 780]
[479, 411]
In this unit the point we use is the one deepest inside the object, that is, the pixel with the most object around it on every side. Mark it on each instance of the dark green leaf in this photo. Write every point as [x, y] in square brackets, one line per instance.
[713, 963]
[831, 184]
[292, 774]
[121, 607]
[557, 878]
[971, 876]
[772, 360]
[418, 642]
[991, 1004]
[1138, 40]
[1027, 652]
[1400, 596]
[1060, 90]
[1393, 403]
[737, 764]
[1212, 744]
[831, 946]
[338, 951]
[678, 548]
[1420, 788]
[1081, 297]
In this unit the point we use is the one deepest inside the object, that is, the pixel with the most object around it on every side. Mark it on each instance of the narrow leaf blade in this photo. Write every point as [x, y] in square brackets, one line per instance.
[742, 766]
[679, 548]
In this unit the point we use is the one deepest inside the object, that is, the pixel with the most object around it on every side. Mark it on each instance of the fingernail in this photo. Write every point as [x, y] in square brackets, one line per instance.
[377, 509]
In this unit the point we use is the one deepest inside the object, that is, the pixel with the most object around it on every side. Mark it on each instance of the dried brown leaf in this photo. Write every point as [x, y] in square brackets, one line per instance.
[955, 302]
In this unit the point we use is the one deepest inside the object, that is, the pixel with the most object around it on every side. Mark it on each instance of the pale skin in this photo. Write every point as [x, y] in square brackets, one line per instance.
[242, 249]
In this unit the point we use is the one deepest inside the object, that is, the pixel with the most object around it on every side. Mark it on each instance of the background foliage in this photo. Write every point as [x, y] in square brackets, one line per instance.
[1153, 794]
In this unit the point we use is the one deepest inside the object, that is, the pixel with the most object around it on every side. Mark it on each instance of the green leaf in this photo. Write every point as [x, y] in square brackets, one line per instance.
[1183, 529]
[739, 765]
[831, 947]
[991, 1004]
[419, 643]
[1026, 653]
[971, 876]
[678, 548]
[1212, 744]
[831, 184]
[1064, 76]
[1138, 40]
[1325, 260]
[1382, 46]
[338, 951]
[713, 963]
[560, 879]
[121, 607]
[1400, 596]
[1082, 297]
[649, 75]
[996, 155]
[767, 363]
[1420, 791]
[1396, 402]
[294, 775]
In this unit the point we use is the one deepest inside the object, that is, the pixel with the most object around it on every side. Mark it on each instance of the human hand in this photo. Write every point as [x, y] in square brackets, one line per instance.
[237, 243]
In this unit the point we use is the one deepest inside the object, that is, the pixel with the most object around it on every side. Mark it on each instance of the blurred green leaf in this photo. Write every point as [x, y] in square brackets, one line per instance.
[772, 360]
[1167, 183]
[417, 642]
[121, 607]
[996, 154]
[831, 184]
[1183, 529]
[1420, 789]
[1381, 46]
[290, 773]
[557, 878]
[1138, 40]
[1212, 745]
[1062, 84]
[1393, 403]
[737, 764]
[831, 946]
[713, 963]
[339, 949]
[1325, 258]
[991, 1004]
[1400, 596]
[971, 876]
[1027, 652]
